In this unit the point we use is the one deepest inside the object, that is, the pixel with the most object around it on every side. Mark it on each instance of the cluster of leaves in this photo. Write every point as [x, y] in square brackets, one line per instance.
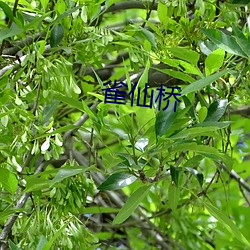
[172, 178]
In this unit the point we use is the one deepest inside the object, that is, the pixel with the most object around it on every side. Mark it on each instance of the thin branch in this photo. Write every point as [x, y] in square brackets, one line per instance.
[16, 63]
[20, 203]
[21, 44]
[235, 176]
[37, 97]
[9, 24]
[79, 123]
[148, 14]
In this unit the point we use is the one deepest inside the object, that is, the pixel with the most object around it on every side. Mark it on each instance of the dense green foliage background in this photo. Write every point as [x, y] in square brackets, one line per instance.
[78, 173]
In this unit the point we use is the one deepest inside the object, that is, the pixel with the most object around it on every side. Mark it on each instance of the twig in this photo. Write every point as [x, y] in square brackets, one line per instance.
[9, 24]
[235, 176]
[80, 122]
[16, 63]
[37, 98]
[148, 14]
[20, 203]
[21, 44]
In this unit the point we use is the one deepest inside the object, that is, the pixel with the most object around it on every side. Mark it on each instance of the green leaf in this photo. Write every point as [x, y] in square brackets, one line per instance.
[8, 180]
[9, 211]
[49, 110]
[98, 210]
[219, 125]
[223, 41]
[216, 110]
[193, 132]
[214, 61]
[198, 175]
[144, 77]
[66, 172]
[117, 181]
[49, 244]
[202, 114]
[174, 172]
[41, 243]
[186, 54]
[13, 246]
[173, 196]
[165, 119]
[44, 3]
[177, 74]
[56, 35]
[34, 183]
[147, 35]
[197, 85]
[162, 12]
[132, 203]
[9, 32]
[68, 12]
[70, 101]
[245, 2]
[227, 223]
[194, 161]
[7, 10]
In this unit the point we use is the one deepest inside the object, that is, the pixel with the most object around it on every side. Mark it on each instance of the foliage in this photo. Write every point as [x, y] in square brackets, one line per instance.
[79, 173]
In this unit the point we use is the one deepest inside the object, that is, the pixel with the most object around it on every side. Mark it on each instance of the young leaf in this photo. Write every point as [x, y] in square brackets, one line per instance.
[8, 180]
[56, 35]
[132, 203]
[214, 61]
[117, 181]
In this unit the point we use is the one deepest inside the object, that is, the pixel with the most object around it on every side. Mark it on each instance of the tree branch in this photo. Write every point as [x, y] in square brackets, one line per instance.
[21, 44]
[20, 203]
[235, 176]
